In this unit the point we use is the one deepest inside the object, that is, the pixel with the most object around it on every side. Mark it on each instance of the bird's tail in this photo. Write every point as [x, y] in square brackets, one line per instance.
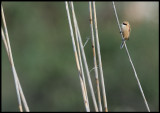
[122, 44]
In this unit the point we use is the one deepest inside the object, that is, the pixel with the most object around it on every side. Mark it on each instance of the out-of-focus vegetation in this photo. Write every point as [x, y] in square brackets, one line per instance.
[44, 59]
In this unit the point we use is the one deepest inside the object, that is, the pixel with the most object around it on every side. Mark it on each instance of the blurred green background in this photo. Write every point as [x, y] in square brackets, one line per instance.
[44, 59]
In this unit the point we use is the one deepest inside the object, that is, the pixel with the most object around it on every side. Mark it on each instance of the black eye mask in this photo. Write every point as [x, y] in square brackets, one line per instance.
[124, 24]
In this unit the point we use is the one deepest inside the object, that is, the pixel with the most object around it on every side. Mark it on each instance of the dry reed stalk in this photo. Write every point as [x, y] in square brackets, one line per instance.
[135, 73]
[6, 41]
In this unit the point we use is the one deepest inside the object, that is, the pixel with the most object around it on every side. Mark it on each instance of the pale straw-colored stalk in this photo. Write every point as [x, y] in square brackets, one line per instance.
[99, 59]
[81, 65]
[6, 41]
[84, 58]
[135, 73]
[94, 57]
[84, 91]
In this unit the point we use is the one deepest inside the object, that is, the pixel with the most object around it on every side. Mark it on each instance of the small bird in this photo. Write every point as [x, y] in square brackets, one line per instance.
[125, 32]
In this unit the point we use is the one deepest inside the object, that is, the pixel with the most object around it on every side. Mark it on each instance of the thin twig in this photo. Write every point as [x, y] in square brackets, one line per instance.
[135, 73]
[86, 42]
[94, 57]
[93, 68]
[99, 59]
